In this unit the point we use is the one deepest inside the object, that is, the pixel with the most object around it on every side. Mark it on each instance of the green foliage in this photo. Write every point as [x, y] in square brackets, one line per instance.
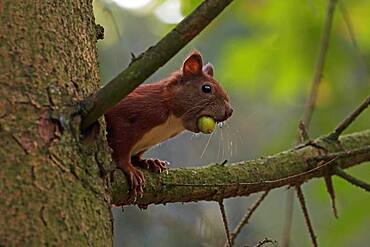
[282, 45]
[189, 5]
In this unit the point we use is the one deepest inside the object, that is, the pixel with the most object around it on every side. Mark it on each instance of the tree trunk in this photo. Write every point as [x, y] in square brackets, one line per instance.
[51, 186]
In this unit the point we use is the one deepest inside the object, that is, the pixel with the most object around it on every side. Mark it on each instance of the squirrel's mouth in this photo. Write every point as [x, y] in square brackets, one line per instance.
[217, 119]
[192, 124]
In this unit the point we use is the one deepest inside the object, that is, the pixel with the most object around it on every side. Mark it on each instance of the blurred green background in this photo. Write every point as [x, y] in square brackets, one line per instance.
[264, 54]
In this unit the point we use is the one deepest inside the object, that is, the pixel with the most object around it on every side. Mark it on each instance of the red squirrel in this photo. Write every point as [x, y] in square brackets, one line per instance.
[155, 112]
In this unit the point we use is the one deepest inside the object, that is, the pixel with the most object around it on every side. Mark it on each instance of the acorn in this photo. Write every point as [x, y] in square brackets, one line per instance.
[206, 124]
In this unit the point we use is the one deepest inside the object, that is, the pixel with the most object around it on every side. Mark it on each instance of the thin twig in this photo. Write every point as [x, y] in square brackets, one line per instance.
[349, 119]
[331, 191]
[285, 242]
[320, 62]
[266, 241]
[247, 216]
[349, 178]
[303, 134]
[348, 22]
[306, 215]
[224, 219]
[342, 154]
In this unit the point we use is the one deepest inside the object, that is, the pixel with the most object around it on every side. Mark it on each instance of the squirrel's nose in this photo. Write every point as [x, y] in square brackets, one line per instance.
[229, 111]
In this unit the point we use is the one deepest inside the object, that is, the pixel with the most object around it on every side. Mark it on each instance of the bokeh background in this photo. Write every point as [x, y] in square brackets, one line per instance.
[264, 54]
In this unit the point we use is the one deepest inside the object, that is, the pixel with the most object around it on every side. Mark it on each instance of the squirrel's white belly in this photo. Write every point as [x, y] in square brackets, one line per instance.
[158, 134]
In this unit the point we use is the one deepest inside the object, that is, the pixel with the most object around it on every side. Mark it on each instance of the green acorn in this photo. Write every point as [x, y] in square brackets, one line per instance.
[206, 125]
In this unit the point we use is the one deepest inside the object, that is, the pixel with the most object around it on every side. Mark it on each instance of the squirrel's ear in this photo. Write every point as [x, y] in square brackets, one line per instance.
[193, 64]
[208, 69]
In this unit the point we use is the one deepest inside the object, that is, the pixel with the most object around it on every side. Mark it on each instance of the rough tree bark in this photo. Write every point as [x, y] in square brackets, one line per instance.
[51, 190]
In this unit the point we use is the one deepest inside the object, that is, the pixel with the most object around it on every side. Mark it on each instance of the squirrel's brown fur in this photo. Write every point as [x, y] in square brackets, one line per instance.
[155, 112]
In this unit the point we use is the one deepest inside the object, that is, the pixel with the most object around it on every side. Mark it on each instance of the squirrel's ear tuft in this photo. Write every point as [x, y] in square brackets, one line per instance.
[193, 64]
[208, 69]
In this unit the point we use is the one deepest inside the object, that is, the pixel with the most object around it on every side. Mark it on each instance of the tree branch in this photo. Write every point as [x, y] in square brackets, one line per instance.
[349, 119]
[247, 216]
[150, 61]
[224, 220]
[351, 179]
[285, 241]
[266, 241]
[302, 201]
[348, 22]
[215, 182]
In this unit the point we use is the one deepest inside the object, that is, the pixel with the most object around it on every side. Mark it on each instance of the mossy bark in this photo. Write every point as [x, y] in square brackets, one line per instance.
[51, 188]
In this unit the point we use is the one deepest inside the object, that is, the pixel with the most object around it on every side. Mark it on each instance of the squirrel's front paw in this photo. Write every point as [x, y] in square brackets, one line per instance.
[153, 165]
[136, 179]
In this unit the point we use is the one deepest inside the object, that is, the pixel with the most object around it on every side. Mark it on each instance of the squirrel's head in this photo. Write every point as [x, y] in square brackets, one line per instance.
[196, 94]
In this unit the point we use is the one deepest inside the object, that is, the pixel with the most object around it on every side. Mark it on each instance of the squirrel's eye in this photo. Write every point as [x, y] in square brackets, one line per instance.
[206, 89]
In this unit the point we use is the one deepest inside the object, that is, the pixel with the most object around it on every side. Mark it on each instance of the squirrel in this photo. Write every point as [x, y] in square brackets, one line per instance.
[153, 113]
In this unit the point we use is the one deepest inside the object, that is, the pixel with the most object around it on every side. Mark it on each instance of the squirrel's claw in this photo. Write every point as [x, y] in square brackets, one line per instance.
[136, 180]
[153, 165]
